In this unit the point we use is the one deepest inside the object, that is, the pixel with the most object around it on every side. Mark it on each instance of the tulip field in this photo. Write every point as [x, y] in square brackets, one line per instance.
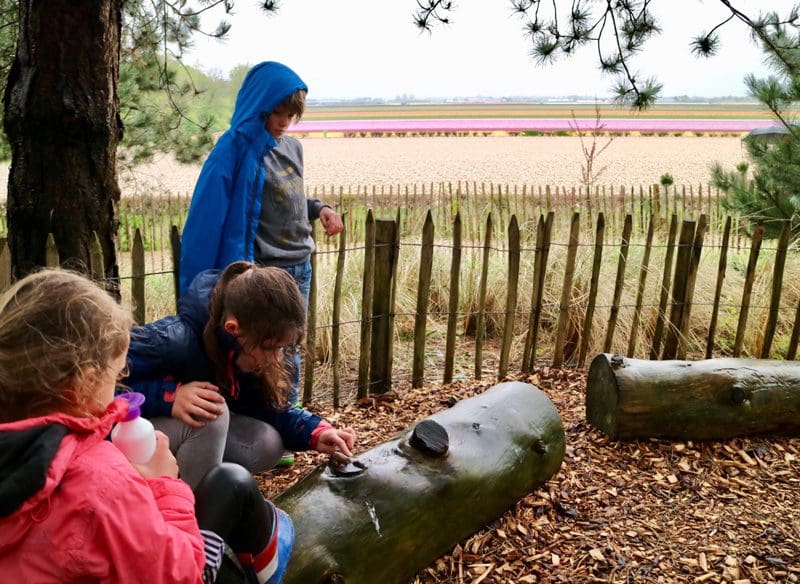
[515, 117]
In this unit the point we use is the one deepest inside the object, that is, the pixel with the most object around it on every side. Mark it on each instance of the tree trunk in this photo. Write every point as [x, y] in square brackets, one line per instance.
[63, 125]
[402, 504]
[713, 399]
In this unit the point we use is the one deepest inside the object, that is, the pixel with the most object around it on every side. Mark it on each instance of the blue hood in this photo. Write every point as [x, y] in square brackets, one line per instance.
[264, 87]
[226, 204]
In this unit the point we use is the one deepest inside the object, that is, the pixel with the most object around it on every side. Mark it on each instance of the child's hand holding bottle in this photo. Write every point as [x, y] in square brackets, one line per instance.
[162, 463]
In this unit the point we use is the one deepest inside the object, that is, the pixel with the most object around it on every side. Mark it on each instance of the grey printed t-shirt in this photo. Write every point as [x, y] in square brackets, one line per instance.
[284, 227]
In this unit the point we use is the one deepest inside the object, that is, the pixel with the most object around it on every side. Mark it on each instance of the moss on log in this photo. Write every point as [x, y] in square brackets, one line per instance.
[399, 506]
[713, 399]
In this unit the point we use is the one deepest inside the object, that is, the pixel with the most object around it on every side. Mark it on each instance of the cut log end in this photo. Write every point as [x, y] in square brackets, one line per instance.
[430, 437]
[602, 393]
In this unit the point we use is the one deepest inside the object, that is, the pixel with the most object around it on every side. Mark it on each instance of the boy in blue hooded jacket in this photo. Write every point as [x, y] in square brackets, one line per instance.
[249, 202]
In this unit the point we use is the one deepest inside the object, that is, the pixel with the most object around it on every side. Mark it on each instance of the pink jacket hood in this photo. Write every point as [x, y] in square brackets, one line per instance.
[73, 508]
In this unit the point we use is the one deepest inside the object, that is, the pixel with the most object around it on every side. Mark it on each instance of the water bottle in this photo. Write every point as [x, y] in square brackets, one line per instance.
[135, 436]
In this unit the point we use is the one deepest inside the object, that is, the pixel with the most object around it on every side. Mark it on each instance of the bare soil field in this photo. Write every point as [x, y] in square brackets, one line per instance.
[514, 160]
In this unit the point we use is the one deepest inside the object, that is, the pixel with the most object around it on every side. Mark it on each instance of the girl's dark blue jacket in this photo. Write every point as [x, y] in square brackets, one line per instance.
[170, 351]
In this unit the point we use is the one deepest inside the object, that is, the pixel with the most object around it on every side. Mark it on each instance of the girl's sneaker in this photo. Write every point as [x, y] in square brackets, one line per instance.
[287, 459]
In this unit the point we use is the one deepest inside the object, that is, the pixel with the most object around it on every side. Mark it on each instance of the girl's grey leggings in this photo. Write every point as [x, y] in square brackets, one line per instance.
[254, 444]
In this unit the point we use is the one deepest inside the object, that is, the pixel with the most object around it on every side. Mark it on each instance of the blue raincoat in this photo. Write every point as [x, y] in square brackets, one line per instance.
[226, 204]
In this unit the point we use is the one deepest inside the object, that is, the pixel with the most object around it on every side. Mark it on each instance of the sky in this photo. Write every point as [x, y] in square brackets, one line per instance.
[371, 48]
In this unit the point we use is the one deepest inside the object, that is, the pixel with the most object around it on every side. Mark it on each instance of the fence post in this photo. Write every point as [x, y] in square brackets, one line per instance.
[175, 248]
[51, 259]
[775, 296]
[366, 305]
[593, 287]
[691, 278]
[655, 348]
[755, 248]
[619, 283]
[5, 265]
[423, 296]
[337, 310]
[511, 295]
[480, 325]
[544, 232]
[311, 325]
[637, 312]
[452, 305]
[566, 290]
[137, 282]
[380, 374]
[679, 289]
[722, 266]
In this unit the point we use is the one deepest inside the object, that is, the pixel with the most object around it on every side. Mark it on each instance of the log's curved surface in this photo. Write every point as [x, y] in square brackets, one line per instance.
[714, 399]
[399, 506]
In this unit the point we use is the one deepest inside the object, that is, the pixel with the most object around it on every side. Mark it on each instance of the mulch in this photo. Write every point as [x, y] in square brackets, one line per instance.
[643, 511]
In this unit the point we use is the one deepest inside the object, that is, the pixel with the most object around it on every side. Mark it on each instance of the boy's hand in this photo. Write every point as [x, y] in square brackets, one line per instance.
[197, 401]
[333, 440]
[331, 221]
[162, 464]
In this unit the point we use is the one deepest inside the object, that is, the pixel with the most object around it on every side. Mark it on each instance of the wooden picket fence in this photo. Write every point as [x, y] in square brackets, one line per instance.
[382, 243]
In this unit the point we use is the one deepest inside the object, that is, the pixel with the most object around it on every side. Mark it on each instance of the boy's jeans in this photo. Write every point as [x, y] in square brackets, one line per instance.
[302, 275]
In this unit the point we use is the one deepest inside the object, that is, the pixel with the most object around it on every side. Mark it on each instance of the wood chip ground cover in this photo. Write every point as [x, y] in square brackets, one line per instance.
[646, 511]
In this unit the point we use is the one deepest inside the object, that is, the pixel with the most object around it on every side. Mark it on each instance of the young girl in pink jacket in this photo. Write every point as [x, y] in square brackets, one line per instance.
[72, 507]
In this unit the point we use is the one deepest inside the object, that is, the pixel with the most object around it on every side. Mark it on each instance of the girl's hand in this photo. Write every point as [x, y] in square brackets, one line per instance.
[162, 464]
[334, 440]
[197, 401]
[331, 221]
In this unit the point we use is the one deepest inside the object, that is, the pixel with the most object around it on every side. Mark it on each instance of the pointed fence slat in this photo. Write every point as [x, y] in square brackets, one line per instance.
[593, 287]
[691, 278]
[750, 274]
[511, 296]
[566, 289]
[380, 373]
[721, 267]
[791, 351]
[366, 305]
[51, 252]
[777, 285]
[175, 249]
[423, 298]
[682, 262]
[545, 230]
[666, 282]
[137, 281]
[643, 270]
[337, 312]
[452, 304]
[5, 265]
[480, 324]
[619, 283]
[311, 326]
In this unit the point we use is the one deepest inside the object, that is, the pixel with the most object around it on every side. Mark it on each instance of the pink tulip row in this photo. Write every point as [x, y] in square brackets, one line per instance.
[523, 124]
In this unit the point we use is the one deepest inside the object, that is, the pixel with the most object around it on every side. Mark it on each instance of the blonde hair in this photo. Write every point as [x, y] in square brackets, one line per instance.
[59, 333]
[268, 306]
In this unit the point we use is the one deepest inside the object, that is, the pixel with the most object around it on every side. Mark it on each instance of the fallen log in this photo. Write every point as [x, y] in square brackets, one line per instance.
[396, 508]
[713, 399]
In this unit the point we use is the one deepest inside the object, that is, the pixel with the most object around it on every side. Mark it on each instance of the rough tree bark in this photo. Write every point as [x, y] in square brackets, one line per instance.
[63, 124]
[399, 506]
[713, 399]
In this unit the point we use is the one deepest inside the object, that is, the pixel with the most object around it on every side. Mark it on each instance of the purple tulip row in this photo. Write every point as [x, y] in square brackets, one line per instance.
[524, 124]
